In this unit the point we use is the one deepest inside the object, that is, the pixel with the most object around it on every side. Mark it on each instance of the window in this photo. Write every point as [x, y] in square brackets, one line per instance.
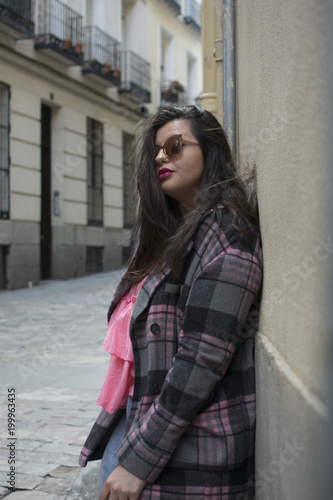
[128, 191]
[4, 151]
[166, 57]
[94, 259]
[95, 172]
[193, 80]
[192, 14]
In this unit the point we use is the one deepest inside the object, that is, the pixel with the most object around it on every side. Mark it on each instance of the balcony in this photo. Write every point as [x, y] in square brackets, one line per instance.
[192, 15]
[59, 32]
[102, 57]
[172, 94]
[16, 17]
[174, 5]
[135, 77]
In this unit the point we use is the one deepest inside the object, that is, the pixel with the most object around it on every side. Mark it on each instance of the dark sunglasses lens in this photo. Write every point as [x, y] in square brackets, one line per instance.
[173, 146]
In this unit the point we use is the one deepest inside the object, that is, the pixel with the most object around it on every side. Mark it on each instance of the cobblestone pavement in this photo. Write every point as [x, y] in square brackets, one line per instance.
[51, 370]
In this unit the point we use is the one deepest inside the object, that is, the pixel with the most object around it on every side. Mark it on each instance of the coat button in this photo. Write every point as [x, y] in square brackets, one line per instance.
[155, 329]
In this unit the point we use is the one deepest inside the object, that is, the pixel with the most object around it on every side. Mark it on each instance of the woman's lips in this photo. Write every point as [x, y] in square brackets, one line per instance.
[164, 172]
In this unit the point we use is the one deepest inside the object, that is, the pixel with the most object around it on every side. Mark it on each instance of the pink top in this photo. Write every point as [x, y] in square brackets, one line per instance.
[119, 381]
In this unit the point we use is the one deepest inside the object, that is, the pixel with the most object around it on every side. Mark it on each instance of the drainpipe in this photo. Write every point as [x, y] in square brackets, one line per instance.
[229, 72]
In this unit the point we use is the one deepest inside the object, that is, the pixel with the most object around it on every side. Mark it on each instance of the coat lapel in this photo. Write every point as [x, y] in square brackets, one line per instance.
[142, 301]
[152, 282]
[146, 292]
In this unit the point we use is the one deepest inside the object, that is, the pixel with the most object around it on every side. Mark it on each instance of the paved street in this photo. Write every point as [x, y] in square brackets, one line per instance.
[51, 369]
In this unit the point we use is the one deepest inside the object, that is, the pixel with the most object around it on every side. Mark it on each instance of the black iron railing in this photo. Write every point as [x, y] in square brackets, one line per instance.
[59, 27]
[102, 55]
[192, 14]
[18, 14]
[173, 94]
[174, 4]
[135, 76]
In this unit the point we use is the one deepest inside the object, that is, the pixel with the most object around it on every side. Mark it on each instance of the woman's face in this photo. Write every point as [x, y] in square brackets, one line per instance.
[180, 176]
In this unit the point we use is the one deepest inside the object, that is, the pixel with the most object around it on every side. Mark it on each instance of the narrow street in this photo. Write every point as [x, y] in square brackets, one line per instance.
[52, 367]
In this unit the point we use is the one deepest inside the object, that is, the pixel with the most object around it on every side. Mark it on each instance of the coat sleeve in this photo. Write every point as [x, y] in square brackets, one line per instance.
[215, 321]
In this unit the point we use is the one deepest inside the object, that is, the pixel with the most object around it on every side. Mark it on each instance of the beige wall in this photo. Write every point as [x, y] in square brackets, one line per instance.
[184, 41]
[209, 55]
[282, 129]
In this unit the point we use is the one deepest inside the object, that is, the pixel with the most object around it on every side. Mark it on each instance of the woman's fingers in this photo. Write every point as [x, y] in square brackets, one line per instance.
[121, 485]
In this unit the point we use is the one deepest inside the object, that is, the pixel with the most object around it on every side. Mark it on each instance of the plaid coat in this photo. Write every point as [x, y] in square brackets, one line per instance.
[192, 420]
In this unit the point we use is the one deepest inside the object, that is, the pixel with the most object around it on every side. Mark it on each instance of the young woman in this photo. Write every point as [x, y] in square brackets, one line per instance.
[182, 324]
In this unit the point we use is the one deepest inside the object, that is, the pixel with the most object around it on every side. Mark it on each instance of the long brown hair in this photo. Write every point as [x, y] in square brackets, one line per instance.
[162, 231]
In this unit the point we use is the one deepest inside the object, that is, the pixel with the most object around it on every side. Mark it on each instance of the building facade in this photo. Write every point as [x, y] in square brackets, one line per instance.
[75, 79]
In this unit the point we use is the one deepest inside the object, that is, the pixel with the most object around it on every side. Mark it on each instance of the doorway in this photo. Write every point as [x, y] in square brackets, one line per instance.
[45, 225]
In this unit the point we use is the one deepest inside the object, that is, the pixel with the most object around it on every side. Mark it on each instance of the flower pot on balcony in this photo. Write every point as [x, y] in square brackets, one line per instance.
[78, 48]
[107, 68]
[116, 73]
[177, 86]
[67, 44]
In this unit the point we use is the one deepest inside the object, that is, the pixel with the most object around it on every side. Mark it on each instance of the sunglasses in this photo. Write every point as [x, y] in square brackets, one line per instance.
[173, 146]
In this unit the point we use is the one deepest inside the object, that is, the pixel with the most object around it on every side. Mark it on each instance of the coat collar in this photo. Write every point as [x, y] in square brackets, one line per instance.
[148, 289]
[150, 285]
[152, 282]
[146, 292]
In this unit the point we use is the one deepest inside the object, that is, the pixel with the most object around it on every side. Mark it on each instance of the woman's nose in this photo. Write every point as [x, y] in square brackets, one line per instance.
[161, 157]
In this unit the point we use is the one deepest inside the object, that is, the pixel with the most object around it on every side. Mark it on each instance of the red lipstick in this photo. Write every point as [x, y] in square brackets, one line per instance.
[164, 173]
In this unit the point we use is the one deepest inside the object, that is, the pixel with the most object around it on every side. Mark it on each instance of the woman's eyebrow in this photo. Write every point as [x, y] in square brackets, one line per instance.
[171, 136]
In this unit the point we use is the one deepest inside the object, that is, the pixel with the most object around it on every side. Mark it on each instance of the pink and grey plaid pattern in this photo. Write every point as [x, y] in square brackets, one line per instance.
[178, 484]
[194, 399]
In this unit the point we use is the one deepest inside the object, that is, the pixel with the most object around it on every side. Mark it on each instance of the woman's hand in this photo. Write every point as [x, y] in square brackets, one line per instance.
[121, 485]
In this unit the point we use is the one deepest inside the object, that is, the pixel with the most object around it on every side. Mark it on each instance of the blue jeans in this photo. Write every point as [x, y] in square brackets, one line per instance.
[109, 460]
